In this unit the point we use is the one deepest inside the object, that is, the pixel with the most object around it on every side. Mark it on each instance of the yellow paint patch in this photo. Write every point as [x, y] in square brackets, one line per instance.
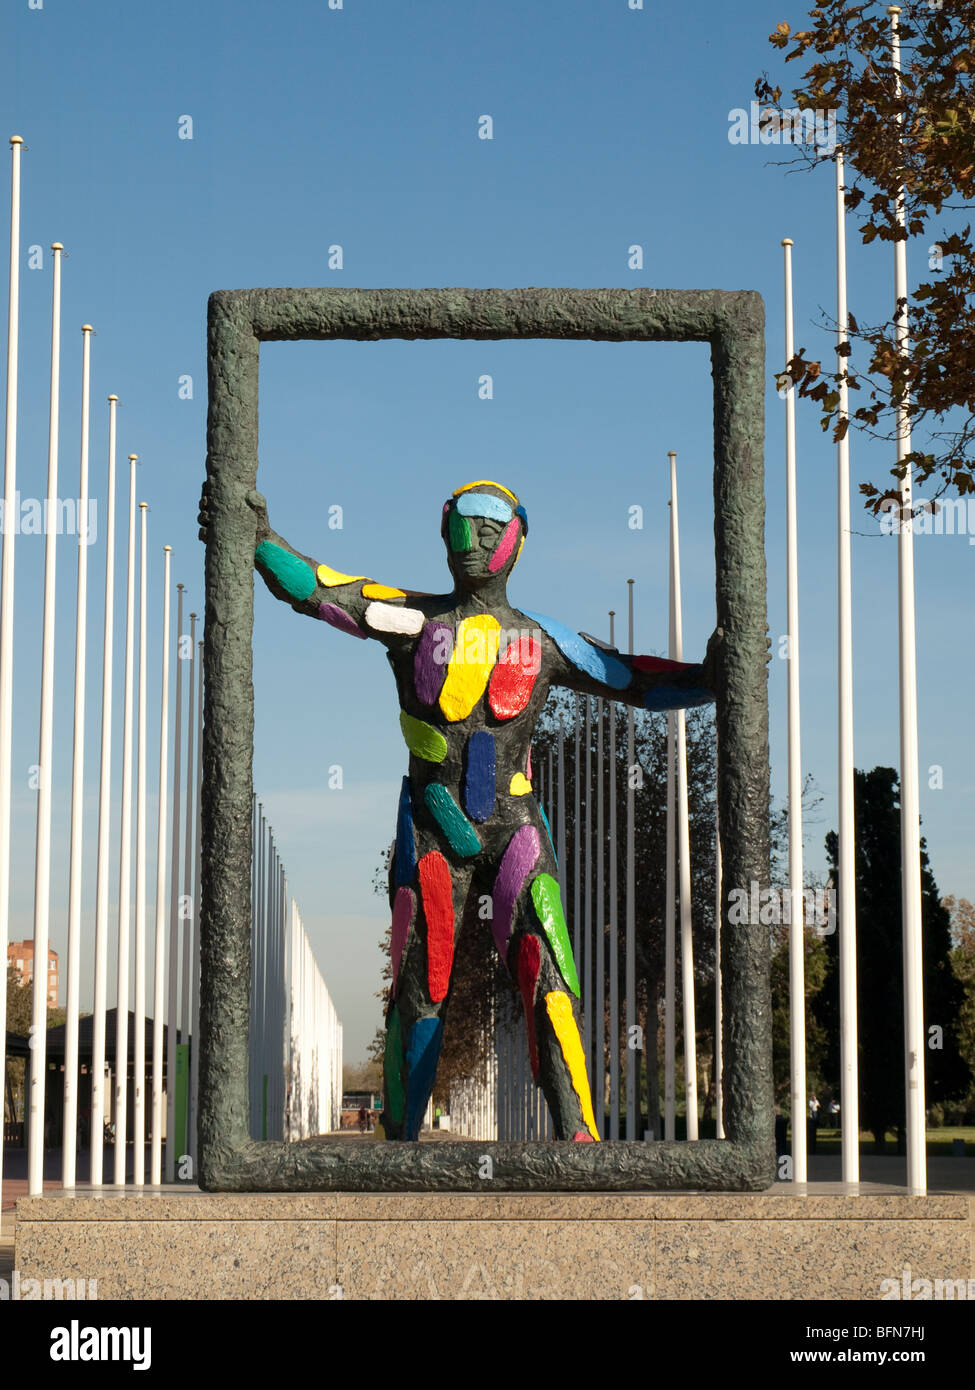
[521, 545]
[330, 578]
[381, 591]
[471, 662]
[486, 482]
[379, 1132]
[559, 1009]
[520, 785]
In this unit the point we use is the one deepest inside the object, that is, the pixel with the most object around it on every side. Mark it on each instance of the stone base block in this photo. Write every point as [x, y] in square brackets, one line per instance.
[183, 1244]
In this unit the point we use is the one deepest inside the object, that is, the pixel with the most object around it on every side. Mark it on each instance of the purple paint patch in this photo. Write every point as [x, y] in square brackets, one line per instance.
[430, 662]
[404, 910]
[517, 863]
[331, 613]
[505, 545]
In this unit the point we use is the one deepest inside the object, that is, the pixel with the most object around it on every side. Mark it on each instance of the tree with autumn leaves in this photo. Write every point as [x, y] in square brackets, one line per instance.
[921, 137]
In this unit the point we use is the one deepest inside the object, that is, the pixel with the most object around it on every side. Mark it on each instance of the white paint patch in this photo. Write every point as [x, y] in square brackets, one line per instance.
[384, 617]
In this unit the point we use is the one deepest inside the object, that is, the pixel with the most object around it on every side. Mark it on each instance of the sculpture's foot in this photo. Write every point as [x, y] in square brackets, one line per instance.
[387, 1128]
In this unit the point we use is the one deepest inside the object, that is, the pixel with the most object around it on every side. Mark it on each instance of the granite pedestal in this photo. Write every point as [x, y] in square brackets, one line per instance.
[173, 1243]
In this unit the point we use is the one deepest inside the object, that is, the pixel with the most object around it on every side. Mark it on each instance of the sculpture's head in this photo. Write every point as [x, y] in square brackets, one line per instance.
[483, 527]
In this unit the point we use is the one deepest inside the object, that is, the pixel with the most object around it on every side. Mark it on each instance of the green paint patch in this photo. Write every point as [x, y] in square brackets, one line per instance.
[393, 1067]
[423, 739]
[548, 907]
[461, 835]
[295, 575]
[459, 531]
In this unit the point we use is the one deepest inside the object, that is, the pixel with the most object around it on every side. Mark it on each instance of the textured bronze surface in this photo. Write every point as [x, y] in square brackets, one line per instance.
[238, 321]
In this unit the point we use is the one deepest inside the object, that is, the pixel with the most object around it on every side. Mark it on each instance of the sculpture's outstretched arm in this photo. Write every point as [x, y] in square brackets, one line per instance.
[352, 603]
[647, 682]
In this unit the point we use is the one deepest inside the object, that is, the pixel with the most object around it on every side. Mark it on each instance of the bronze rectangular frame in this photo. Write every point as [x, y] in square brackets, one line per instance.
[238, 322]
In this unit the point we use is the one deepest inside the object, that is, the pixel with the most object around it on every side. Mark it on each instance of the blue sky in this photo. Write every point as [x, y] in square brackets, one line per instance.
[358, 127]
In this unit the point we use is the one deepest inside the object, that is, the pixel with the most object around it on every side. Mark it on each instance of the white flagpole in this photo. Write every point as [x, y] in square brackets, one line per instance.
[125, 862]
[631, 1095]
[189, 841]
[172, 1013]
[7, 574]
[614, 948]
[846, 862]
[683, 830]
[910, 798]
[797, 968]
[42, 853]
[139, 1012]
[104, 829]
[159, 944]
[71, 1074]
[198, 855]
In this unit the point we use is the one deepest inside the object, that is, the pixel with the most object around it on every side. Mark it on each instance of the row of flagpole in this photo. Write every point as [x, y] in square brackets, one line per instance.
[295, 1052]
[593, 818]
[135, 692]
[677, 855]
[907, 682]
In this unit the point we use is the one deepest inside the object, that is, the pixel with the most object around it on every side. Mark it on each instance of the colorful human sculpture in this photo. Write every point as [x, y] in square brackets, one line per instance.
[472, 675]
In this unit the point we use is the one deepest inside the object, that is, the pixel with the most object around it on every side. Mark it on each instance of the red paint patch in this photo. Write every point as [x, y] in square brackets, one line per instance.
[514, 676]
[529, 961]
[581, 1137]
[438, 908]
[505, 545]
[658, 663]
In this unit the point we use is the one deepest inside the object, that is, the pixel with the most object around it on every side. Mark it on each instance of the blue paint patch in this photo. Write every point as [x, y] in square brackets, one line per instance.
[600, 665]
[461, 835]
[484, 504]
[549, 830]
[405, 844]
[664, 697]
[422, 1056]
[520, 511]
[479, 778]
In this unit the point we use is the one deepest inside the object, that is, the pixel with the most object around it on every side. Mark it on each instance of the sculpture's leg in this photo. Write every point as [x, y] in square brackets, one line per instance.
[539, 956]
[426, 915]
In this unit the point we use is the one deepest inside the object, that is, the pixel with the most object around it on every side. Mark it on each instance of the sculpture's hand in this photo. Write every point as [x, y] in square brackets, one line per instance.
[258, 506]
[711, 655]
[203, 519]
[254, 500]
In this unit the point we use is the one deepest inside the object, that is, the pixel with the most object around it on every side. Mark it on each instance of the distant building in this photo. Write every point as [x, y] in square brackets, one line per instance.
[20, 954]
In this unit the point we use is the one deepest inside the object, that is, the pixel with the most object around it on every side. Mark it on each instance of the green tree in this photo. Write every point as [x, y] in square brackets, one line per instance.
[880, 968]
[962, 914]
[20, 1004]
[362, 1076]
[815, 965]
[923, 139]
